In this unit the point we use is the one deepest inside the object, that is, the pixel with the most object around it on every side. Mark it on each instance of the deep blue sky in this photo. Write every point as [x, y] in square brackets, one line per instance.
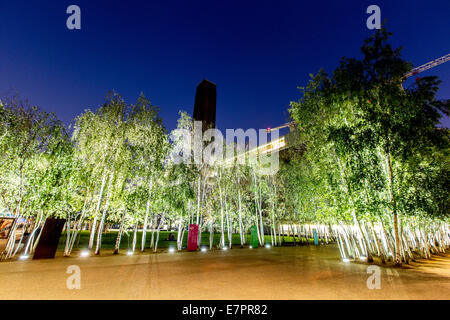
[257, 52]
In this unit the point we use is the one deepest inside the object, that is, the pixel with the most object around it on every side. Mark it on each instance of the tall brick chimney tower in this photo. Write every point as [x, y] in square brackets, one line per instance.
[205, 104]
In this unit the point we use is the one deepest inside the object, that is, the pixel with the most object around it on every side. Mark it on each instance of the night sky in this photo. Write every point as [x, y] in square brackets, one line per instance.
[257, 52]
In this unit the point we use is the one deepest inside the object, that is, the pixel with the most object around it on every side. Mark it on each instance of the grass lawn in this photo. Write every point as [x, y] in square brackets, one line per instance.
[109, 240]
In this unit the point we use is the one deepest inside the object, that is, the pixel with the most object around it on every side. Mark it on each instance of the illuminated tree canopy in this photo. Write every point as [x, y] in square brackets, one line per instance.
[370, 169]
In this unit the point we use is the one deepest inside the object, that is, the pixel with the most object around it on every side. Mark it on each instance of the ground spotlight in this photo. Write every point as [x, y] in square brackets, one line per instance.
[267, 246]
[84, 254]
[345, 260]
[203, 249]
[171, 250]
[250, 247]
[224, 248]
[130, 253]
[24, 257]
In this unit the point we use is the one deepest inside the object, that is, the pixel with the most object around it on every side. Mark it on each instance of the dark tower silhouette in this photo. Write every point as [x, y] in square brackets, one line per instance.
[205, 104]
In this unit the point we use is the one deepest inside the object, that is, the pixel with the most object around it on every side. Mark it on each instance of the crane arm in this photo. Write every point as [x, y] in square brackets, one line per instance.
[413, 72]
[280, 127]
[428, 65]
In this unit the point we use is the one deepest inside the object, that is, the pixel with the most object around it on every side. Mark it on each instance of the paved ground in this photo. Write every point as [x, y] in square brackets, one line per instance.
[277, 273]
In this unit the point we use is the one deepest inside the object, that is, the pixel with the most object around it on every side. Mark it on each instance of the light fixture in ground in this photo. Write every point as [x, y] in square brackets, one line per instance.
[84, 253]
[267, 246]
[130, 253]
[345, 260]
[171, 250]
[203, 249]
[24, 257]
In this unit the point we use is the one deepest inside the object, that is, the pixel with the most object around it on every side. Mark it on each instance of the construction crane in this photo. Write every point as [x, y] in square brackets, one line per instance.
[281, 127]
[413, 72]
[428, 65]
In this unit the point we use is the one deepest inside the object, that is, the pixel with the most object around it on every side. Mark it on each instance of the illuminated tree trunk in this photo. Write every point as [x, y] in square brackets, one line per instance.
[133, 247]
[381, 251]
[222, 235]
[34, 235]
[182, 237]
[258, 210]
[229, 226]
[241, 236]
[274, 232]
[119, 235]
[211, 235]
[279, 233]
[102, 221]
[147, 211]
[180, 230]
[76, 230]
[397, 256]
[201, 220]
[94, 223]
[157, 232]
[260, 216]
[198, 197]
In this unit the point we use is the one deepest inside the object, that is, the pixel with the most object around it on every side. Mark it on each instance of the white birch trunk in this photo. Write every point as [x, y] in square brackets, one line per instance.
[102, 221]
[94, 223]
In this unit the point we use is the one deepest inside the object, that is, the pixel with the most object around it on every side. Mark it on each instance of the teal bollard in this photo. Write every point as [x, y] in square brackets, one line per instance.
[316, 239]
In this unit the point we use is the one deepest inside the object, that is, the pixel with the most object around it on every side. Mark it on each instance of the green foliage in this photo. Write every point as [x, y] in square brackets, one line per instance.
[365, 150]
[378, 142]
